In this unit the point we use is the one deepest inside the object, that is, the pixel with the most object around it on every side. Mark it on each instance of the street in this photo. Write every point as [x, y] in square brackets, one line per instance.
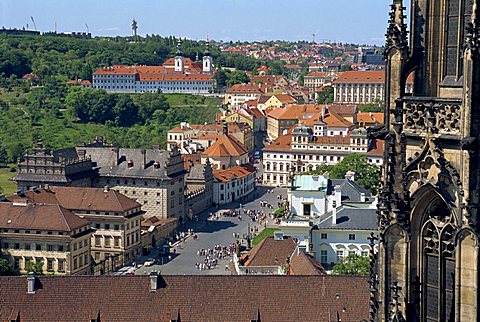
[211, 233]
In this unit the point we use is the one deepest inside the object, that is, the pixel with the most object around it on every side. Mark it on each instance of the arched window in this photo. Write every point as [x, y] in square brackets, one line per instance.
[438, 260]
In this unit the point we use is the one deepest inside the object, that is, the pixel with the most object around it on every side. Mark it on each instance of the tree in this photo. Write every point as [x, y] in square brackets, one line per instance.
[6, 269]
[126, 113]
[346, 67]
[367, 175]
[377, 106]
[36, 267]
[352, 265]
[326, 95]
[221, 78]
[237, 77]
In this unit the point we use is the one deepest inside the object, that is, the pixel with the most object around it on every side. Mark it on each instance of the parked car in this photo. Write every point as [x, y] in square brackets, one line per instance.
[149, 262]
[165, 250]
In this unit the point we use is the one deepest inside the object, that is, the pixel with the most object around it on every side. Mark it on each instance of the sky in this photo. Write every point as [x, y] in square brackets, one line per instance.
[353, 21]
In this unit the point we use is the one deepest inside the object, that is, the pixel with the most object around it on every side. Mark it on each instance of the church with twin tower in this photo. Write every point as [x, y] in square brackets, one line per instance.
[427, 265]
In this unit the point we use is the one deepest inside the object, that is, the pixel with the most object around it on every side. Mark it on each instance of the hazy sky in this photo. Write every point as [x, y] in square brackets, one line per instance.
[359, 21]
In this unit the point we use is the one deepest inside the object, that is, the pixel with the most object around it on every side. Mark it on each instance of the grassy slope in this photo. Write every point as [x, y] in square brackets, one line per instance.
[267, 232]
[6, 184]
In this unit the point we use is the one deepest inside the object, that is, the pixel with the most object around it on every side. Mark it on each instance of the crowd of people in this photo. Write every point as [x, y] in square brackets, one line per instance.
[212, 255]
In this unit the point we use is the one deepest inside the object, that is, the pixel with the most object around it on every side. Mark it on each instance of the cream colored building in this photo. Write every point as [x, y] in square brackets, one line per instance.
[115, 218]
[44, 233]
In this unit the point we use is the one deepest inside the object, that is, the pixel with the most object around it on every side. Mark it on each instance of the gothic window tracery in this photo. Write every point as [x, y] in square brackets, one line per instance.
[439, 263]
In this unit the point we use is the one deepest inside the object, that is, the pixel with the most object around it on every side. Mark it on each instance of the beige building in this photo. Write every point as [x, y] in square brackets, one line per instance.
[316, 80]
[240, 93]
[45, 233]
[115, 217]
[226, 152]
[193, 138]
[156, 230]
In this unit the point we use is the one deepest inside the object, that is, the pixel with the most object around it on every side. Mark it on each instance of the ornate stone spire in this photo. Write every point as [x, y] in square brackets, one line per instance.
[397, 29]
[472, 35]
[179, 49]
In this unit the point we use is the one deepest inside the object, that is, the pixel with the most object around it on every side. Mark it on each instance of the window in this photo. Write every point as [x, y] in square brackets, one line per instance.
[38, 247]
[97, 241]
[27, 246]
[339, 255]
[61, 265]
[107, 226]
[323, 236]
[60, 248]
[116, 242]
[116, 227]
[364, 253]
[50, 248]
[351, 236]
[323, 256]
[49, 264]
[5, 245]
[16, 246]
[107, 241]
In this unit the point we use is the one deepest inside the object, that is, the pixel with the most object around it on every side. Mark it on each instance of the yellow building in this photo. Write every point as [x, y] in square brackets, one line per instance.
[47, 234]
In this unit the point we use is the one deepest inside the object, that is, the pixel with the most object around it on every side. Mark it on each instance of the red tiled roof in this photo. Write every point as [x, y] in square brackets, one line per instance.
[369, 118]
[186, 298]
[364, 76]
[238, 171]
[378, 150]
[225, 146]
[304, 264]
[32, 216]
[283, 142]
[244, 88]
[76, 198]
[270, 252]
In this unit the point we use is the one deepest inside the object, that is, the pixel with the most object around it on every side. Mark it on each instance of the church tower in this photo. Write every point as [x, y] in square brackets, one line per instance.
[207, 61]
[427, 263]
[179, 63]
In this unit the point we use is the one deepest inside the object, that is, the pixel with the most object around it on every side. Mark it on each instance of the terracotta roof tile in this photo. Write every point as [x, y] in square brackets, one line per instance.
[225, 146]
[244, 88]
[270, 252]
[238, 171]
[186, 298]
[76, 198]
[369, 118]
[39, 217]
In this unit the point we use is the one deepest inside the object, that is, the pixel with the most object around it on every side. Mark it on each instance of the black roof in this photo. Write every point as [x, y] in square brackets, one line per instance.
[349, 218]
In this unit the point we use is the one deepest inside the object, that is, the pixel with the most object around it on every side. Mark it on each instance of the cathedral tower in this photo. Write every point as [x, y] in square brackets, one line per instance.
[428, 260]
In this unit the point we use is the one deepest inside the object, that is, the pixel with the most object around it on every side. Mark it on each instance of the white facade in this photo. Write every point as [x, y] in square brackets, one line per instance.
[358, 93]
[128, 84]
[237, 99]
[235, 189]
[305, 157]
[330, 246]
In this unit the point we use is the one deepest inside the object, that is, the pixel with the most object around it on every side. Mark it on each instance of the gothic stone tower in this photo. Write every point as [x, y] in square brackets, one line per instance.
[428, 206]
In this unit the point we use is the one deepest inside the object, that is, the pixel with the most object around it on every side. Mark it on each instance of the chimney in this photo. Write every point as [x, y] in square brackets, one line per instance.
[153, 281]
[116, 150]
[144, 158]
[46, 186]
[225, 128]
[350, 175]
[106, 189]
[338, 196]
[362, 197]
[334, 213]
[31, 283]
[130, 163]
